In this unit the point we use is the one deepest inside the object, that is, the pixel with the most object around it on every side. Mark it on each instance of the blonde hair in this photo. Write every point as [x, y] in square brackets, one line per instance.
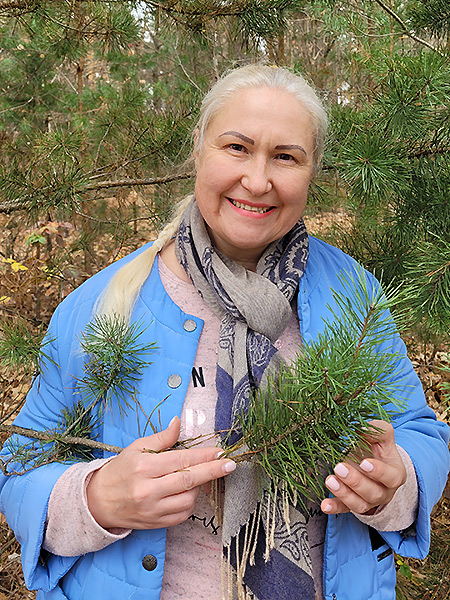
[123, 289]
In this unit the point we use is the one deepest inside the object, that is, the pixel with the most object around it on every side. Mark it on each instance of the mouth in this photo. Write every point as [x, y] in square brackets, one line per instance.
[262, 210]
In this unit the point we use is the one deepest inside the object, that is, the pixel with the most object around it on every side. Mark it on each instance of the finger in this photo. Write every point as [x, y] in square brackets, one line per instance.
[390, 475]
[197, 475]
[171, 461]
[333, 506]
[352, 500]
[178, 504]
[359, 480]
[381, 433]
[162, 440]
[370, 489]
[378, 438]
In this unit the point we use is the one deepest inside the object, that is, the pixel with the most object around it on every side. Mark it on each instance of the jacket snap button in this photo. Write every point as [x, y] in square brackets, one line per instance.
[174, 381]
[190, 325]
[149, 562]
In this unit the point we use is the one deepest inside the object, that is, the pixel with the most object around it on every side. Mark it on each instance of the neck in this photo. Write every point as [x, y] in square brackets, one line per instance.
[169, 258]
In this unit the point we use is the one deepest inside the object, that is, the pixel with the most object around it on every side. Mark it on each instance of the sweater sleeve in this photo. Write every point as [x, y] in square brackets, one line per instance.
[71, 530]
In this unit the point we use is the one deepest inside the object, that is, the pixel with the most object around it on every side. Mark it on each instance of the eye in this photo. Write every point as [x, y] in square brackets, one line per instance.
[237, 147]
[285, 157]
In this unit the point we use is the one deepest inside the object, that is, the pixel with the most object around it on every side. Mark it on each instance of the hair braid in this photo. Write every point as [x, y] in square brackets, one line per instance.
[123, 289]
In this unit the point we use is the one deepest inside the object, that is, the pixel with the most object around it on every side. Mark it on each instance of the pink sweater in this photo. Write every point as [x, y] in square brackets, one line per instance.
[194, 547]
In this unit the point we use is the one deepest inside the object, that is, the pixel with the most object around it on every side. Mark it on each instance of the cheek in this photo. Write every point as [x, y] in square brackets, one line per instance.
[214, 179]
[294, 192]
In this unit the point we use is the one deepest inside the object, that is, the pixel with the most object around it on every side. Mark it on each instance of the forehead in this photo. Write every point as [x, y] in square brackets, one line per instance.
[265, 108]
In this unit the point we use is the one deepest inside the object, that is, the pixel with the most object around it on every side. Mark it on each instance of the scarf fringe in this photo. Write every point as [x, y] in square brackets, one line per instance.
[216, 497]
[250, 532]
[233, 579]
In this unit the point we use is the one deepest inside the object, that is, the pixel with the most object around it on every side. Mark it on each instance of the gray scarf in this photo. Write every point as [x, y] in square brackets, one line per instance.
[254, 308]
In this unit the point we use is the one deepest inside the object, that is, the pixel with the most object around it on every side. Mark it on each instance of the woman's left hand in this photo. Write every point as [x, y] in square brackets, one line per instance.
[362, 488]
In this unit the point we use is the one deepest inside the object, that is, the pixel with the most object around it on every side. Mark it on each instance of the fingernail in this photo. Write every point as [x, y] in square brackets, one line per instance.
[173, 419]
[341, 470]
[326, 507]
[219, 454]
[332, 483]
[366, 466]
[229, 466]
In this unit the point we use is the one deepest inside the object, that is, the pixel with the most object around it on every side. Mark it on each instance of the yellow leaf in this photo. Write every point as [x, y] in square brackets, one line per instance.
[15, 266]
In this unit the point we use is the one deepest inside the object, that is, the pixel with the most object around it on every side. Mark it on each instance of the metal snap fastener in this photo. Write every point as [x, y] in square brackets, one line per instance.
[174, 381]
[149, 562]
[190, 325]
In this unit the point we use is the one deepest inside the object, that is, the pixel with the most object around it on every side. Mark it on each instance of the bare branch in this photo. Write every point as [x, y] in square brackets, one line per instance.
[55, 437]
[130, 182]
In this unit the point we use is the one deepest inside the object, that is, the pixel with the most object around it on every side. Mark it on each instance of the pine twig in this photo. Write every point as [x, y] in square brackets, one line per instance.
[55, 437]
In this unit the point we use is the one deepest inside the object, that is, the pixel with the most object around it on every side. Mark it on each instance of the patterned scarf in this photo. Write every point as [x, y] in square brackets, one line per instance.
[254, 308]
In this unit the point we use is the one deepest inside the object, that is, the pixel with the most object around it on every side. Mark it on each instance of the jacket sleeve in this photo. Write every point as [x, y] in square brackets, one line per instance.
[24, 498]
[417, 429]
[425, 439]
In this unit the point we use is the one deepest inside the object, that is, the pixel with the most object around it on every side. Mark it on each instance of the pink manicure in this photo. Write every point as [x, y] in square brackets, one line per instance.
[366, 466]
[341, 470]
[229, 466]
[332, 483]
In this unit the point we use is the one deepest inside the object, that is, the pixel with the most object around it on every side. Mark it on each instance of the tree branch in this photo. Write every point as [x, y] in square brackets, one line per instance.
[130, 182]
[54, 437]
[22, 204]
[409, 33]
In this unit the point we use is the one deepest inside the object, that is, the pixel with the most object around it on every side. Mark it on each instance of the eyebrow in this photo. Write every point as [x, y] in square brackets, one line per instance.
[290, 147]
[241, 136]
[244, 138]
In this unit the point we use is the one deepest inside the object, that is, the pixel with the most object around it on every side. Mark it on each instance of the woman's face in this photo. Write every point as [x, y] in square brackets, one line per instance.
[253, 171]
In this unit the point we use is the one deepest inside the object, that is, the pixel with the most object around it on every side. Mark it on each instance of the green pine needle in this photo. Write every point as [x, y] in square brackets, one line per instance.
[116, 360]
[316, 411]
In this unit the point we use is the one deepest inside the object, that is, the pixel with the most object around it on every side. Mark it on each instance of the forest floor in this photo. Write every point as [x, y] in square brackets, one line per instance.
[417, 580]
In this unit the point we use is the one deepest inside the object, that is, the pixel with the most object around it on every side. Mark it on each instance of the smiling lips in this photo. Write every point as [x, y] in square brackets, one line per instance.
[262, 210]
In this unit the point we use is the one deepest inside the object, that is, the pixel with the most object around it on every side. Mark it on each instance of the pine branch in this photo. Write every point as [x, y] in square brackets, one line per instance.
[316, 411]
[59, 437]
[24, 203]
[405, 29]
[115, 361]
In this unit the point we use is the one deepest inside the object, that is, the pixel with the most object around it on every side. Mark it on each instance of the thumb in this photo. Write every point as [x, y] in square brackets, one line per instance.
[163, 440]
[383, 441]
[383, 431]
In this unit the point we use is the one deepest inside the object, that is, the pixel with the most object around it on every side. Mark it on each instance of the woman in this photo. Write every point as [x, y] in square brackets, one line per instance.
[236, 284]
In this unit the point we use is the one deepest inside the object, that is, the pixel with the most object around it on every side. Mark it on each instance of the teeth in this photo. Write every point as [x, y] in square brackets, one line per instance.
[255, 209]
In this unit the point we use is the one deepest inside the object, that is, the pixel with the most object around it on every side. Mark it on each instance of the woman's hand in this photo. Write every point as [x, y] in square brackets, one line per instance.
[363, 488]
[144, 490]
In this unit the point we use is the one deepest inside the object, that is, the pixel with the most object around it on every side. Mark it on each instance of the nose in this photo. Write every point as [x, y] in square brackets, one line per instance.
[256, 178]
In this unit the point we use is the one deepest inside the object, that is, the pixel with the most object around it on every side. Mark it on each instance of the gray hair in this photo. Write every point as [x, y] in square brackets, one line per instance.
[258, 76]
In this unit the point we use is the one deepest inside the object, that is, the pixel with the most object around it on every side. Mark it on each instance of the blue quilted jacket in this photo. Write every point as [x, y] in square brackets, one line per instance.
[358, 563]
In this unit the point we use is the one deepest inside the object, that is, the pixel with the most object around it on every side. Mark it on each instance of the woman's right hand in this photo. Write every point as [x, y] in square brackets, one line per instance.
[148, 490]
